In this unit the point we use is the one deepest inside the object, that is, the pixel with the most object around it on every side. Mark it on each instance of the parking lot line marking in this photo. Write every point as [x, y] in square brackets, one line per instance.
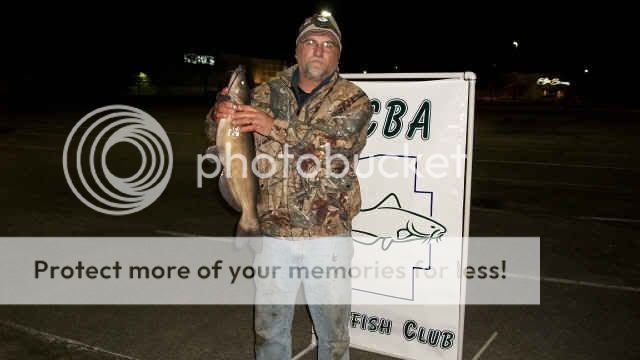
[35, 133]
[181, 234]
[585, 218]
[175, 233]
[29, 147]
[590, 284]
[56, 134]
[574, 282]
[633, 221]
[50, 338]
[549, 183]
[536, 163]
[485, 346]
[510, 149]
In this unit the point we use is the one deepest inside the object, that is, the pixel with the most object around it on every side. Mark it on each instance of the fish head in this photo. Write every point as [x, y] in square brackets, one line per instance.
[420, 227]
[238, 86]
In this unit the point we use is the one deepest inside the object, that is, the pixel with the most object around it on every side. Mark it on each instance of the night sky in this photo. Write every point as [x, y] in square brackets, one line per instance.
[104, 42]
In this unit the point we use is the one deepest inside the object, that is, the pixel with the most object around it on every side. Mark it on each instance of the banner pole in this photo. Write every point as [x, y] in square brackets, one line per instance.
[470, 77]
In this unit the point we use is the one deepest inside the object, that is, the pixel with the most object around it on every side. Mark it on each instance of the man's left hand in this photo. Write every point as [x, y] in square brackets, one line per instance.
[252, 119]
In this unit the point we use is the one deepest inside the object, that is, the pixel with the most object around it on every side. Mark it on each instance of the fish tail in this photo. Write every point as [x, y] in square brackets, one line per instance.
[248, 226]
[248, 233]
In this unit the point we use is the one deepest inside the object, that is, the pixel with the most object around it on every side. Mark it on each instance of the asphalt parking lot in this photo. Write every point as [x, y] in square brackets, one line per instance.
[568, 176]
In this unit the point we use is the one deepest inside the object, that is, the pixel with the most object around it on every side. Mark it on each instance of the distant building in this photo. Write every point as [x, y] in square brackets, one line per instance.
[525, 87]
[553, 88]
[200, 74]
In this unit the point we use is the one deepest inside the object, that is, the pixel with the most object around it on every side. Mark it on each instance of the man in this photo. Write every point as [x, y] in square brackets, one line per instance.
[306, 116]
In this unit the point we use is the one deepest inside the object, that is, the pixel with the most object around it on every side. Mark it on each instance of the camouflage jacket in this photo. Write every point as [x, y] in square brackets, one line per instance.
[332, 121]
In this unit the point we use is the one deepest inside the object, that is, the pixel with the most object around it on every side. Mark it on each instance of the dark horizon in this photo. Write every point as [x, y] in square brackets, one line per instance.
[109, 45]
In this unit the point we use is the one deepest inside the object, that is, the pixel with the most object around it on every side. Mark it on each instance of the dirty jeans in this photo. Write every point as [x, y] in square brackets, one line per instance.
[327, 294]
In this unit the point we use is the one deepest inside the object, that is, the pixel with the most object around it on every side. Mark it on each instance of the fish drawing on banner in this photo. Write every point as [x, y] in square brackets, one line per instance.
[399, 225]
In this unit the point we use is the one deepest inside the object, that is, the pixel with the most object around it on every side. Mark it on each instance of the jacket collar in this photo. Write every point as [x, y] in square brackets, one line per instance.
[287, 76]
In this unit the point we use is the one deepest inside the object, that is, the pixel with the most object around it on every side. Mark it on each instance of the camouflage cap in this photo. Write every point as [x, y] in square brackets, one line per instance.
[320, 22]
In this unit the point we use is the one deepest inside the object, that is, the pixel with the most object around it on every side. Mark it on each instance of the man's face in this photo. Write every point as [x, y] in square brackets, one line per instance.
[317, 55]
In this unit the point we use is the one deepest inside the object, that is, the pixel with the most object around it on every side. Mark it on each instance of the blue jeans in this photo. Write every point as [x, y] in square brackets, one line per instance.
[327, 293]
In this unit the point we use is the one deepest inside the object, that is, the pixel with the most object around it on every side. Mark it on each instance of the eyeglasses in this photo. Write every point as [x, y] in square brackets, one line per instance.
[326, 45]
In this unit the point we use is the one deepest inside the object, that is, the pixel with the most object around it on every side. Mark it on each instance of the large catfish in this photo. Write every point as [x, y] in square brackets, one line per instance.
[237, 183]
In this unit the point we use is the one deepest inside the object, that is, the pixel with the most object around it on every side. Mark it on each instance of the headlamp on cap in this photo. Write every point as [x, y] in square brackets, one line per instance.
[322, 21]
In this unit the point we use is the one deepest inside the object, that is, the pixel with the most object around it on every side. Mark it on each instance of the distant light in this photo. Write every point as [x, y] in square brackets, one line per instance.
[586, 70]
[142, 76]
[395, 67]
[364, 71]
[199, 59]
[552, 82]
[515, 44]
[325, 13]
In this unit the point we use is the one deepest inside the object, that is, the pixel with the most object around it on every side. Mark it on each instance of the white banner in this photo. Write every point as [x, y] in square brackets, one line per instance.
[415, 181]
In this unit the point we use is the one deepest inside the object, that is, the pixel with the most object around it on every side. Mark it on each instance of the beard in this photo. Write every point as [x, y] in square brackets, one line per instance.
[315, 70]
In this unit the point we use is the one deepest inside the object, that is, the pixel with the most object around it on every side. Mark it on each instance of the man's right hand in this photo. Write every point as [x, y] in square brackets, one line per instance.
[222, 109]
